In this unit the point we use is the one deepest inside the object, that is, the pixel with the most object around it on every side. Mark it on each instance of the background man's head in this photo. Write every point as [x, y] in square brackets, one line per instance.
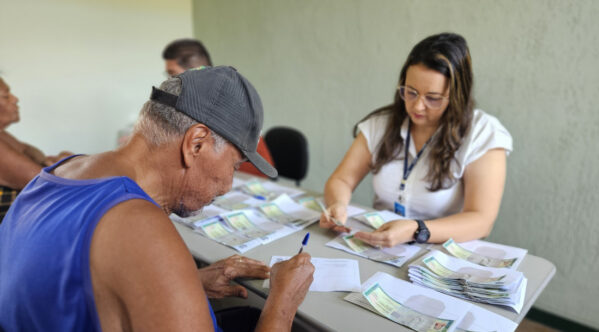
[183, 54]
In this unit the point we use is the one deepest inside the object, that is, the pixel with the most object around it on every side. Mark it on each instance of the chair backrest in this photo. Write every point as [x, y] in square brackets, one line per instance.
[289, 150]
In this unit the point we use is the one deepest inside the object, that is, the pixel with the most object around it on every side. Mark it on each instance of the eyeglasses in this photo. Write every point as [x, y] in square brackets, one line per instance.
[432, 101]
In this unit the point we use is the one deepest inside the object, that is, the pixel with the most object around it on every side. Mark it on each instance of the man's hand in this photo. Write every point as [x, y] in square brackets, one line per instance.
[289, 283]
[390, 233]
[291, 279]
[217, 277]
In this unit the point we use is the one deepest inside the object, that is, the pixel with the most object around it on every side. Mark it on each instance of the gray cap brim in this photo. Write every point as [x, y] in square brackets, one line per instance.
[261, 164]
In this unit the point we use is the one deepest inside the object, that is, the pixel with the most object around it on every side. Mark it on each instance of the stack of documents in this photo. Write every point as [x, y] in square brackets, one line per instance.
[486, 253]
[470, 281]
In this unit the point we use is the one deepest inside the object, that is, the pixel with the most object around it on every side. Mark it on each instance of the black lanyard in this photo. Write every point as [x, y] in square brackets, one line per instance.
[408, 169]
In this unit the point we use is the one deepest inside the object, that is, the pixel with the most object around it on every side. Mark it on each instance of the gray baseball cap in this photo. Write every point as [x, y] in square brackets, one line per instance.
[226, 102]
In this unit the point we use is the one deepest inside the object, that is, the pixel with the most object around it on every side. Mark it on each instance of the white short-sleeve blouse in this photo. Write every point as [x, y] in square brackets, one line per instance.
[485, 133]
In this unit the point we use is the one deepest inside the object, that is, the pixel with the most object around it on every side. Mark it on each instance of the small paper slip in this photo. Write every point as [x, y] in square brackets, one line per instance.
[470, 281]
[479, 319]
[330, 275]
[486, 253]
[193, 221]
[376, 219]
[268, 190]
[255, 188]
[312, 203]
[235, 200]
[309, 202]
[278, 189]
[284, 210]
[396, 256]
[216, 230]
[256, 225]
[416, 307]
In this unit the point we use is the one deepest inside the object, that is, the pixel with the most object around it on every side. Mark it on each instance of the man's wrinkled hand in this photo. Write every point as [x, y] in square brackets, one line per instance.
[291, 279]
[217, 277]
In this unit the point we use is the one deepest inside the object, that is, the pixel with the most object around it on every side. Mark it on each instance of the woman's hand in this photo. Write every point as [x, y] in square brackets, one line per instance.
[390, 233]
[335, 212]
[217, 277]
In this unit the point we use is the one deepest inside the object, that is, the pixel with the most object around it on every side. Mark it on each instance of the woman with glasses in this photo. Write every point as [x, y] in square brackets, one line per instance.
[436, 161]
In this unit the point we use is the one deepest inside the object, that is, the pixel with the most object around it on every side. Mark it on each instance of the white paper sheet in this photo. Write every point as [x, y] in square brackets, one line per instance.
[330, 275]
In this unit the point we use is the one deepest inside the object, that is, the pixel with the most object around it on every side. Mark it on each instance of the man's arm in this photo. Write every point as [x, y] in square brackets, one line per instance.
[217, 277]
[16, 169]
[143, 276]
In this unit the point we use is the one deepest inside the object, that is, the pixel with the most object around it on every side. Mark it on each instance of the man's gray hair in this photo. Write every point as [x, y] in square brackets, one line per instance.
[161, 124]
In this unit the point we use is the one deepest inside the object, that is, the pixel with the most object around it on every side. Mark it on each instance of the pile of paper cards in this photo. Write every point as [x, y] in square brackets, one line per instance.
[464, 279]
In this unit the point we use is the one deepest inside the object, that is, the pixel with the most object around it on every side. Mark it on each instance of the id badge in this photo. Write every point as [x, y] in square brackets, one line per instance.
[400, 209]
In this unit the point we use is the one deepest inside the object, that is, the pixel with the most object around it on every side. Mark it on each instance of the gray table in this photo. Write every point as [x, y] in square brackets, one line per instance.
[328, 311]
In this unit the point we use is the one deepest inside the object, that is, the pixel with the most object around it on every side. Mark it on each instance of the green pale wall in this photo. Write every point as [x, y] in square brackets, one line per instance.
[83, 69]
[322, 65]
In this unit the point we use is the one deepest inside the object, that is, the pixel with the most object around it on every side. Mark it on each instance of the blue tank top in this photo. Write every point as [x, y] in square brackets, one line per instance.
[45, 278]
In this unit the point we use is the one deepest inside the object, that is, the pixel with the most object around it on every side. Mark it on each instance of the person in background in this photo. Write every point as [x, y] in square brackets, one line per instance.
[436, 161]
[96, 227]
[20, 161]
[183, 54]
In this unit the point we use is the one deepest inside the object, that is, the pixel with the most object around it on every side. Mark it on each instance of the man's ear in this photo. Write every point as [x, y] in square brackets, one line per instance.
[195, 142]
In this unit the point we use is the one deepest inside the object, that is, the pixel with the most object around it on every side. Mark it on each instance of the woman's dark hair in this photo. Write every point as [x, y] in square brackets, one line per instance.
[448, 54]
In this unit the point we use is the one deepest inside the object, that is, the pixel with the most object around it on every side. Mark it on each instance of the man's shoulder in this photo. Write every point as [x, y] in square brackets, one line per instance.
[133, 214]
[134, 234]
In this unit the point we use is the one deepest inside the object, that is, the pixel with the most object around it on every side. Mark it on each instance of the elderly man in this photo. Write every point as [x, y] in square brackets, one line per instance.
[183, 54]
[88, 245]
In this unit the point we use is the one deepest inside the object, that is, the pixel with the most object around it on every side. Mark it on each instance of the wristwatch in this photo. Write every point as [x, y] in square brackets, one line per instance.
[422, 234]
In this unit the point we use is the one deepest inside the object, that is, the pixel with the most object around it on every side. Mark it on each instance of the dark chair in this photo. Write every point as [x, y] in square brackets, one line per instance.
[289, 150]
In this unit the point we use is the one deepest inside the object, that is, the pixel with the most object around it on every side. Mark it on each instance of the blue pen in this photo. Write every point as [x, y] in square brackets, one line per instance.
[260, 197]
[304, 243]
